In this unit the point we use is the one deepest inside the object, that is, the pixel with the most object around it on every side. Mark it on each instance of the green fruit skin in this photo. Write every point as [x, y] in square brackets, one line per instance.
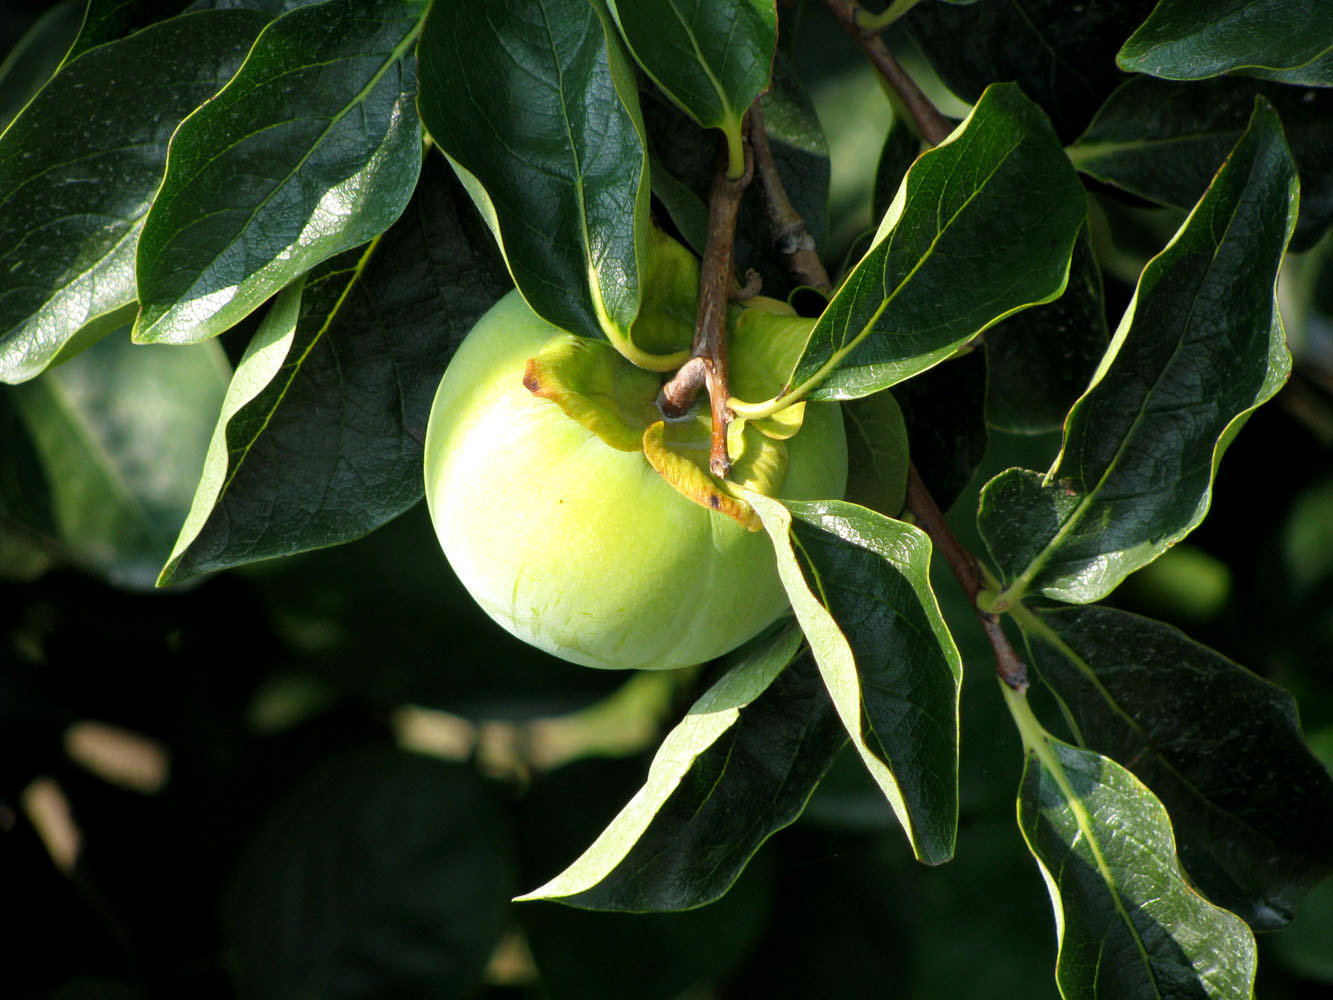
[582, 550]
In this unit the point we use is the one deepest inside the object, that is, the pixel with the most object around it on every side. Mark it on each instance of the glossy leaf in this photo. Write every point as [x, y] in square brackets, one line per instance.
[860, 586]
[712, 58]
[1128, 923]
[1061, 54]
[313, 148]
[536, 105]
[1219, 746]
[120, 432]
[1199, 347]
[32, 60]
[78, 171]
[379, 867]
[1316, 73]
[1187, 40]
[320, 440]
[901, 147]
[1041, 360]
[108, 20]
[1164, 141]
[949, 236]
[736, 769]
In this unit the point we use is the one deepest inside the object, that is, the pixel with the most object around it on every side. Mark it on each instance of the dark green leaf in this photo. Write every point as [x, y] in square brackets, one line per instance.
[738, 768]
[379, 868]
[1040, 361]
[537, 107]
[711, 58]
[1200, 346]
[1188, 40]
[1164, 141]
[860, 586]
[1062, 54]
[949, 236]
[1316, 73]
[78, 170]
[945, 412]
[311, 149]
[30, 63]
[320, 440]
[876, 453]
[901, 147]
[120, 432]
[1129, 925]
[108, 20]
[1219, 746]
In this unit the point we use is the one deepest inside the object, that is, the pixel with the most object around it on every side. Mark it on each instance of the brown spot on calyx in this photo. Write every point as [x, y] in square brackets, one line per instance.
[714, 501]
[530, 380]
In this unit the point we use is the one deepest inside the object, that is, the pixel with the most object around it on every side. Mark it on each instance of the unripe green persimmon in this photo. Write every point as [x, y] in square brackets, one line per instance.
[580, 548]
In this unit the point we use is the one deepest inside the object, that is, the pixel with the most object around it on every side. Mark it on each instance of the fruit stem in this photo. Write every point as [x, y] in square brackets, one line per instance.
[967, 571]
[932, 125]
[717, 280]
[793, 240]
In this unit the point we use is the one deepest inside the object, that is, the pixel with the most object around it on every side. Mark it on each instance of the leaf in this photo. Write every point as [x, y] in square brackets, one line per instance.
[30, 63]
[1219, 746]
[859, 584]
[739, 767]
[877, 453]
[1186, 40]
[711, 58]
[1200, 346]
[945, 412]
[320, 440]
[78, 170]
[901, 148]
[120, 432]
[379, 867]
[1127, 922]
[1041, 360]
[885, 324]
[109, 20]
[1164, 141]
[1061, 54]
[1316, 73]
[537, 109]
[312, 148]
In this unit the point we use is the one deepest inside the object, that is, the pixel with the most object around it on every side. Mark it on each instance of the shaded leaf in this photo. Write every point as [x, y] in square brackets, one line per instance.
[877, 453]
[712, 58]
[320, 440]
[1061, 54]
[379, 867]
[1187, 40]
[1041, 360]
[945, 412]
[885, 325]
[1200, 345]
[1127, 922]
[738, 768]
[1219, 746]
[78, 171]
[537, 107]
[311, 149]
[120, 433]
[1316, 73]
[901, 148]
[30, 63]
[1164, 141]
[860, 586]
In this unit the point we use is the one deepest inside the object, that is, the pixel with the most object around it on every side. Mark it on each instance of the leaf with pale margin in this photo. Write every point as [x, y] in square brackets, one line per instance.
[109, 20]
[1040, 361]
[32, 60]
[312, 148]
[320, 440]
[1221, 747]
[1200, 346]
[537, 108]
[1188, 40]
[712, 57]
[860, 586]
[78, 171]
[1128, 923]
[1164, 141]
[949, 238]
[739, 767]
[120, 432]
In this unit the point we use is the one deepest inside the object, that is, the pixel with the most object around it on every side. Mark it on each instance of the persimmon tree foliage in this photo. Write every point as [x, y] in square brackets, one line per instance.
[240, 243]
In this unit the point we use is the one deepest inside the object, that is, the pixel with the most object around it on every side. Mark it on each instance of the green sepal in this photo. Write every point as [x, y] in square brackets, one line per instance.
[595, 387]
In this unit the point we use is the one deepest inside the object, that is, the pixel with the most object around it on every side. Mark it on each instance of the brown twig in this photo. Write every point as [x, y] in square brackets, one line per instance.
[717, 281]
[932, 125]
[793, 240]
[967, 571]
